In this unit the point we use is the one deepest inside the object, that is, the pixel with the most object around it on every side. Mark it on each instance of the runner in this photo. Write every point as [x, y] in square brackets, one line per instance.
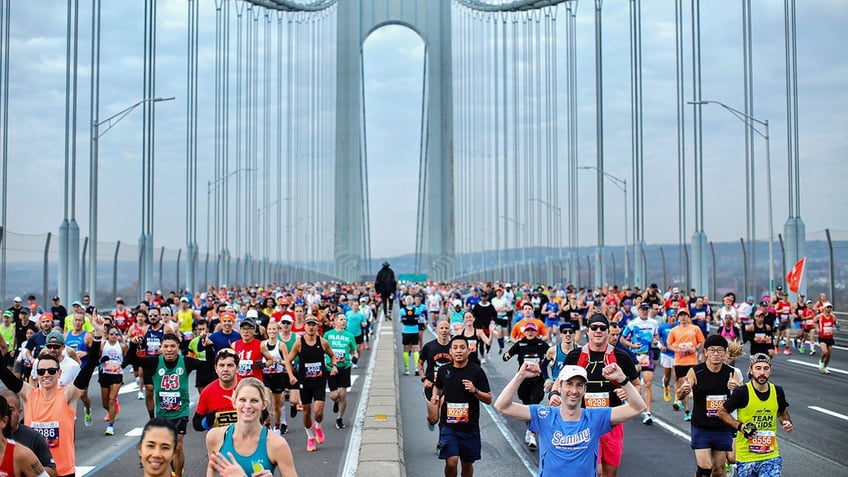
[807, 317]
[783, 309]
[25, 435]
[667, 355]
[502, 309]
[169, 372]
[433, 356]
[569, 436]
[310, 350]
[150, 343]
[345, 349]
[50, 408]
[224, 336]
[456, 317]
[759, 405]
[79, 340]
[826, 323]
[247, 447]
[249, 350]
[527, 317]
[386, 286]
[555, 356]
[710, 383]
[595, 357]
[156, 447]
[137, 329]
[529, 349]
[356, 323]
[760, 333]
[475, 338]
[274, 376]
[203, 376]
[485, 317]
[215, 404]
[111, 375]
[640, 335]
[459, 389]
[409, 334]
[686, 340]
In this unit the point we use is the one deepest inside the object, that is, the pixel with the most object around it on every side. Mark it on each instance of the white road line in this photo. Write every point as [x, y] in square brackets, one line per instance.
[352, 451]
[134, 432]
[828, 412]
[812, 365]
[84, 469]
[677, 432]
[128, 388]
[841, 347]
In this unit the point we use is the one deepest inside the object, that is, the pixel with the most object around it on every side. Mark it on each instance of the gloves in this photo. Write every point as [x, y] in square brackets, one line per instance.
[747, 429]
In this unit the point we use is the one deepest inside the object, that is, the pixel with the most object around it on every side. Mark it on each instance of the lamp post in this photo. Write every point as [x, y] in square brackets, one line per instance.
[765, 135]
[622, 186]
[96, 133]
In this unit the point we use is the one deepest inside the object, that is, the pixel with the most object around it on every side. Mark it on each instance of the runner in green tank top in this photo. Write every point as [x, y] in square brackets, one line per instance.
[344, 347]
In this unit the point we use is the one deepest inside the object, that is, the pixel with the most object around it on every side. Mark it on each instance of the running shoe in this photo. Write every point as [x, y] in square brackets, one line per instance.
[821, 365]
[416, 372]
[319, 434]
[730, 470]
[786, 350]
[340, 424]
[110, 430]
[532, 443]
[310, 444]
[667, 393]
[140, 395]
[677, 405]
[647, 419]
[293, 410]
[431, 426]
[356, 366]
[284, 428]
[802, 350]
[88, 419]
[812, 351]
[406, 372]
[826, 371]
[527, 436]
[687, 416]
[335, 407]
[438, 449]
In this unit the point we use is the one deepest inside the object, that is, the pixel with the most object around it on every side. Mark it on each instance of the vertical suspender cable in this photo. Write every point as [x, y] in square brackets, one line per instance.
[279, 133]
[518, 239]
[239, 79]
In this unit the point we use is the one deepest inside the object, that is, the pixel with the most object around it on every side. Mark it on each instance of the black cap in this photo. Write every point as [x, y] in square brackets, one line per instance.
[715, 340]
[645, 306]
[598, 318]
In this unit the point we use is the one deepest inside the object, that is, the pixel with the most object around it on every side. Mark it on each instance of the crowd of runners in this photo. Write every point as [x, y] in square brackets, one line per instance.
[590, 355]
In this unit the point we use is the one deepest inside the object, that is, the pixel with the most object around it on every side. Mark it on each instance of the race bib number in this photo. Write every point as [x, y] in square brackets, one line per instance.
[245, 367]
[48, 430]
[153, 345]
[457, 412]
[592, 400]
[827, 330]
[112, 367]
[277, 367]
[340, 354]
[169, 400]
[714, 402]
[312, 370]
[534, 360]
[760, 337]
[762, 442]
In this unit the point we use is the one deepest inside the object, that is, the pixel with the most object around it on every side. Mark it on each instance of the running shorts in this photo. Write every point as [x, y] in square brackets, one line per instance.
[409, 339]
[680, 371]
[667, 361]
[340, 380]
[313, 391]
[454, 443]
[275, 382]
[720, 440]
[612, 446]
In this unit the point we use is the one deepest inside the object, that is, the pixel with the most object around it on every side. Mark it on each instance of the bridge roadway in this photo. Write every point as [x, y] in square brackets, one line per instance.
[816, 446]
[817, 404]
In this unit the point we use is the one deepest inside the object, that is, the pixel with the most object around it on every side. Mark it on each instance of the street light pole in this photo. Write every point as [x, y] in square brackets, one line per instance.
[622, 186]
[765, 135]
[96, 133]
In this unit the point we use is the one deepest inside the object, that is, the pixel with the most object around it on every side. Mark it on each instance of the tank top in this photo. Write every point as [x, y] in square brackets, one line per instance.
[8, 334]
[274, 351]
[187, 317]
[826, 325]
[122, 319]
[170, 388]
[114, 355]
[728, 333]
[254, 462]
[559, 362]
[7, 466]
[312, 361]
[54, 420]
[153, 341]
[289, 343]
[763, 444]
[709, 395]
[248, 354]
[77, 342]
[473, 344]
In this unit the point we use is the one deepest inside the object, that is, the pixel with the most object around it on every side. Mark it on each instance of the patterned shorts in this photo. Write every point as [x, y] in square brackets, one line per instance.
[761, 468]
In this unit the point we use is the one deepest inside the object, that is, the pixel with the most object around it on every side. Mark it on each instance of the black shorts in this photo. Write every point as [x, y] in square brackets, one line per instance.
[827, 341]
[409, 339]
[421, 326]
[680, 371]
[428, 393]
[531, 392]
[107, 380]
[275, 382]
[502, 322]
[314, 390]
[784, 325]
[340, 380]
[358, 339]
[181, 424]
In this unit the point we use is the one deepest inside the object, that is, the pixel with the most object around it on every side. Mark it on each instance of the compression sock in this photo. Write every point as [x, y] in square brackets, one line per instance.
[406, 361]
[310, 431]
[415, 356]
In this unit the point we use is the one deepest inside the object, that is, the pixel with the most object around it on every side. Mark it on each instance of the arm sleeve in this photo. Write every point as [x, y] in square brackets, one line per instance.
[781, 399]
[738, 399]
[199, 422]
[84, 376]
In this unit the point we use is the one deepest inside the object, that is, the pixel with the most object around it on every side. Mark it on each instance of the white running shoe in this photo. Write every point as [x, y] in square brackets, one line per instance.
[532, 443]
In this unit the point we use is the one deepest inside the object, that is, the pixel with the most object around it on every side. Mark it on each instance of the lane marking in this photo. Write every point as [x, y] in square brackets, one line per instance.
[829, 412]
[134, 432]
[843, 348]
[84, 469]
[668, 427]
[128, 388]
[352, 452]
[812, 365]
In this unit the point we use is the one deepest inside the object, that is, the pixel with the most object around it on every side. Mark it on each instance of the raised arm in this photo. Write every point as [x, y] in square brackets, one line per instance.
[635, 404]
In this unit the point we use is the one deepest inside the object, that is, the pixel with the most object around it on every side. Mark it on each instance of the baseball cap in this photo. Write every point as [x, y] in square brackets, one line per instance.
[286, 318]
[457, 303]
[598, 318]
[184, 300]
[55, 298]
[645, 306]
[530, 326]
[675, 290]
[628, 303]
[827, 305]
[119, 299]
[570, 371]
[252, 314]
[46, 317]
[750, 298]
[248, 322]
[760, 358]
[55, 338]
[567, 326]
[311, 319]
[76, 303]
[808, 302]
[17, 299]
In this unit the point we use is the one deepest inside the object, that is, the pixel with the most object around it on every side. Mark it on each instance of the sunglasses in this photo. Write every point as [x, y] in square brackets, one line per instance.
[53, 346]
[227, 351]
[112, 333]
[153, 315]
[50, 371]
[567, 332]
[598, 328]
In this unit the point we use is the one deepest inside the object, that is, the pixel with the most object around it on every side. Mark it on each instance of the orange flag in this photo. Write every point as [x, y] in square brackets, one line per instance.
[793, 278]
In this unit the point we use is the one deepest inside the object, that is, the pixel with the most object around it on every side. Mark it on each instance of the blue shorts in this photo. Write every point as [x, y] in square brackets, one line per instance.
[454, 443]
[761, 468]
[551, 324]
[720, 440]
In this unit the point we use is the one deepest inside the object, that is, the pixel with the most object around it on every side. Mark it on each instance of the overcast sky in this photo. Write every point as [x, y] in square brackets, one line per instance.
[393, 62]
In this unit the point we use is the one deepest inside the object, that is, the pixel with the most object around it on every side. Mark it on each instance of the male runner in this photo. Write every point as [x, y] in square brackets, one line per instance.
[529, 349]
[215, 404]
[640, 335]
[346, 351]
[433, 356]
[826, 324]
[685, 340]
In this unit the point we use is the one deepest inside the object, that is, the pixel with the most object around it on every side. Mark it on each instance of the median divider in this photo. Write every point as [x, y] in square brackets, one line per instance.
[381, 447]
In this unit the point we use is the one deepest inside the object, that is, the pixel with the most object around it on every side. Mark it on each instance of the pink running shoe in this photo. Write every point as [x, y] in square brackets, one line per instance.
[319, 435]
[310, 444]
